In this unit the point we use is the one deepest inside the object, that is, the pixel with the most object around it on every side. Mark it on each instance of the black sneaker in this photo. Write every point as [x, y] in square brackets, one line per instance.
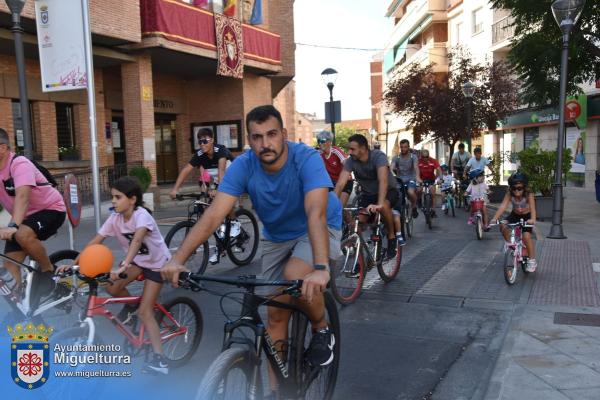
[158, 365]
[415, 212]
[391, 251]
[127, 313]
[320, 351]
[42, 287]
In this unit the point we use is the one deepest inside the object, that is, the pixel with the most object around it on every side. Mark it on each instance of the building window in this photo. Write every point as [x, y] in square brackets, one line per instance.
[477, 21]
[65, 125]
[457, 35]
[529, 135]
[18, 126]
[227, 133]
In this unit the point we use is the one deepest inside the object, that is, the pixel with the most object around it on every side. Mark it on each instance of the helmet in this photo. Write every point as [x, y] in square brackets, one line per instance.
[475, 173]
[444, 167]
[518, 177]
[324, 136]
[376, 145]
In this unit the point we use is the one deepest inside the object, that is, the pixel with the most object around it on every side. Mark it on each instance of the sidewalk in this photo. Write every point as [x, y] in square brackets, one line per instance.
[552, 347]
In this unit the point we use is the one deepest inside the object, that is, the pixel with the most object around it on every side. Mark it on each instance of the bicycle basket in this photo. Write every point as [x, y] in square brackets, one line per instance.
[477, 205]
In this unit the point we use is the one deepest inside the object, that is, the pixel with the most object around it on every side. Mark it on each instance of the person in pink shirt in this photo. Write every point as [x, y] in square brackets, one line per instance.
[145, 253]
[37, 211]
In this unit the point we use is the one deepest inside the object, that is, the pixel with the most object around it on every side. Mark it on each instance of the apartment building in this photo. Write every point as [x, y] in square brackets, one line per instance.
[155, 73]
[426, 29]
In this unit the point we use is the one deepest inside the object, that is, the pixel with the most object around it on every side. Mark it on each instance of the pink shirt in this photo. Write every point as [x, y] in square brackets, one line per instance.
[154, 252]
[24, 173]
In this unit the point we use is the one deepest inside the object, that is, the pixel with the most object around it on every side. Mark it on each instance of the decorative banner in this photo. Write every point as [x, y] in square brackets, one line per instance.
[257, 17]
[575, 141]
[230, 48]
[60, 42]
[229, 8]
[576, 110]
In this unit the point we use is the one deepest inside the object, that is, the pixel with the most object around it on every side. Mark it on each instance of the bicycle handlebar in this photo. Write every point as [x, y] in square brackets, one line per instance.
[196, 196]
[188, 280]
[521, 223]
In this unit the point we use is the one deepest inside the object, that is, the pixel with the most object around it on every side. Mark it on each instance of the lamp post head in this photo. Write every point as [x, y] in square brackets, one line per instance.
[468, 89]
[387, 117]
[329, 76]
[567, 13]
[15, 6]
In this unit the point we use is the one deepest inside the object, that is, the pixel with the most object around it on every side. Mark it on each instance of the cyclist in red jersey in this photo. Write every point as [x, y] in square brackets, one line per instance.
[429, 167]
[334, 158]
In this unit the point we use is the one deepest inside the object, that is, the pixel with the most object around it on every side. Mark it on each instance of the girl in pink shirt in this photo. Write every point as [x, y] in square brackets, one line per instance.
[146, 252]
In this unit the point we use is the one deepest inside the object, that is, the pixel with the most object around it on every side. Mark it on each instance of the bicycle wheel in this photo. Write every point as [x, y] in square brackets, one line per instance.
[452, 206]
[389, 268]
[408, 218]
[314, 383]
[199, 259]
[479, 227]
[510, 267]
[179, 349]
[242, 248]
[447, 209]
[348, 275]
[229, 377]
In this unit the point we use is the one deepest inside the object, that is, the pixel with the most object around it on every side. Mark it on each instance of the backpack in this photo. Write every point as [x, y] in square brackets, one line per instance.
[50, 181]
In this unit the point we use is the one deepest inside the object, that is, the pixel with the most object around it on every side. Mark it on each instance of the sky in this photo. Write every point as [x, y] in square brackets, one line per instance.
[338, 23]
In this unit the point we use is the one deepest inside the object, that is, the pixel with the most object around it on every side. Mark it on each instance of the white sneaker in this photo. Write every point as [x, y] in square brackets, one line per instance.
[531, 265]
[235, 228]
[214, 257]
[443, 207]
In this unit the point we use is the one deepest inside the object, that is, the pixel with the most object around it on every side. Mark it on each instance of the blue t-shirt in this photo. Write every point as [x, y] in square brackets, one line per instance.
[279, 198]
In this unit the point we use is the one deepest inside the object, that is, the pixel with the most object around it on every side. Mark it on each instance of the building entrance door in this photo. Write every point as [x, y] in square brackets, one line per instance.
[165, 128]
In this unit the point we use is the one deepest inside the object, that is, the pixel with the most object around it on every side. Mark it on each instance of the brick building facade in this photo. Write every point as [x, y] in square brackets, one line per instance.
[153, 86]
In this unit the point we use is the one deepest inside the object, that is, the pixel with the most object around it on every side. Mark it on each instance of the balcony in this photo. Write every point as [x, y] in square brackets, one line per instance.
[417, 12]
[503, 30]
[432, 53]
[181, 27]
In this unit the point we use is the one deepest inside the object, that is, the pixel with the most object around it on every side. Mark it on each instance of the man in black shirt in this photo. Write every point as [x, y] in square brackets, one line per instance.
[211, 158]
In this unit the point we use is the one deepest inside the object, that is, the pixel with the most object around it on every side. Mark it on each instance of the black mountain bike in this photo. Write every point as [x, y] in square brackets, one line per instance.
[237, 373]
[240, 246]
[406, 218]
[427, 202]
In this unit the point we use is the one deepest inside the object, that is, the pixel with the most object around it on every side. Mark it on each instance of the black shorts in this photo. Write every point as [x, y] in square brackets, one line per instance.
[44, 223]
[347, 187]
[152, 274]
[513, 218]
[366, 199]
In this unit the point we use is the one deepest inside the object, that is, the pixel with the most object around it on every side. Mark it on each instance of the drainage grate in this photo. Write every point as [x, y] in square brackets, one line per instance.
[577, 319]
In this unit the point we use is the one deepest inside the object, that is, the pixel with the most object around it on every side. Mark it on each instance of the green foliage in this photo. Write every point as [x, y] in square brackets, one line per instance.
[143, 175]
[539, 165]
[536, 48]
[495, 165]
[341, 136]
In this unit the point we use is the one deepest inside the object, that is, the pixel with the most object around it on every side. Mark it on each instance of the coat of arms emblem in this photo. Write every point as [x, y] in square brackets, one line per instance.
[30, 355]
[44, 14]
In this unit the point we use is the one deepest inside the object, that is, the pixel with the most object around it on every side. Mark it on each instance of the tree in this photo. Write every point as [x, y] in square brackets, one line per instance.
[537, 45]
[342, 134]
[434, 105]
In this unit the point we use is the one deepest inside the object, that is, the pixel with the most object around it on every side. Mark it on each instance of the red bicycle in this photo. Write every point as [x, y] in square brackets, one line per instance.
[179, 320]
[477, 216]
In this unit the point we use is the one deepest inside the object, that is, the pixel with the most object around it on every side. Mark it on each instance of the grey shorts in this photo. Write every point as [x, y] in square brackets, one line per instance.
[276, 254]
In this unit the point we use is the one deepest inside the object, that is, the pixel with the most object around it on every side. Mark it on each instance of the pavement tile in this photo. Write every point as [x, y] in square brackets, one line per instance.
[583, 394]
[585, 350]
[517, 382]
[527, 345]
[559, 371]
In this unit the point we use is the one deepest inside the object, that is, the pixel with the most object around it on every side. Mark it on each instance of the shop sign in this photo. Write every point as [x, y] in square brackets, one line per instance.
[576, 110]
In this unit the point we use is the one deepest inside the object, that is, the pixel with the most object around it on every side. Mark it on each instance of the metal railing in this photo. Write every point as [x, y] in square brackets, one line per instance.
[503, 29]
[84, 178]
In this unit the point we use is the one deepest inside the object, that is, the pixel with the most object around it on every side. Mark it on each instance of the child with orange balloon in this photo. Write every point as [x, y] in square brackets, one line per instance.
[146, 252]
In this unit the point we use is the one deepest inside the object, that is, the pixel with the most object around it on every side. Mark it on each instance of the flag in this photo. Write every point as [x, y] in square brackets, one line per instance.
[201, 4]
[257, 17]
[229, 8]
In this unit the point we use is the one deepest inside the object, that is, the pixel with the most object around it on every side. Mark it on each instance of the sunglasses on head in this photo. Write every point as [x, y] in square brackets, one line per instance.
[204, 141]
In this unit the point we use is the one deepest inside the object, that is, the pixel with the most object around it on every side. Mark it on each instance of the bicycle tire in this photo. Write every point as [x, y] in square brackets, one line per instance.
[408, 221]
[235, 358]
[235, 257]
[166, 325]
[428, 210]
[452, 205]
[344, 287]
[479, 227]
[509, 268]
[300, 368]
[389, 268]
[195, 263]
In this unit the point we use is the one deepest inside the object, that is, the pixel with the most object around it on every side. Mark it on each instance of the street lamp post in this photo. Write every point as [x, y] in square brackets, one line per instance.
[372, 134]
[16, 6]
[387, 117]
[468, 89]
[566, 13]
[329, 76]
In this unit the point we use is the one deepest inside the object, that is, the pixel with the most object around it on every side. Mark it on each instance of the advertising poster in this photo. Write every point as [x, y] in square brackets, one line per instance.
[60, 42]
[576, 142]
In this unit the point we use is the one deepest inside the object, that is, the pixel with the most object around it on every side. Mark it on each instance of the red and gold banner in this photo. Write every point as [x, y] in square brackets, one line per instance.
[229, 8]
[230, 47]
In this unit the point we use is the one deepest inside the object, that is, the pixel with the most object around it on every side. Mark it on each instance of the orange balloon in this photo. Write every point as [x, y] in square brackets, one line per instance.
[95, 260]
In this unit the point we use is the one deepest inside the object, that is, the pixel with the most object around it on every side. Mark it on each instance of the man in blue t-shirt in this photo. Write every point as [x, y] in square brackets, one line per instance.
[290, 191]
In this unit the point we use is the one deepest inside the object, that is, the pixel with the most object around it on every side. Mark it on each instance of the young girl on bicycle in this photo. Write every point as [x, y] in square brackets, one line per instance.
[478, 190]
[447, 183]
[523, 207]
[145, 253]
